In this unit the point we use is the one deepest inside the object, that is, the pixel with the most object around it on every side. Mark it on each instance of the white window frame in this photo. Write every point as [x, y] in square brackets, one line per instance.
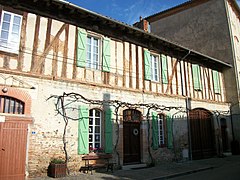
[93, 133]
[93, 63]
[154, 67]
[161, 129]
[11, 46]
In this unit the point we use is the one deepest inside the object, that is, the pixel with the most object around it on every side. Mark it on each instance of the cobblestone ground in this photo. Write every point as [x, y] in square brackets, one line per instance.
[159, 171]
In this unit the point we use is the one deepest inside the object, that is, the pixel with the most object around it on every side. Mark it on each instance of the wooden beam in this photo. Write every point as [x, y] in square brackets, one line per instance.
[46, 51]
[171, 77]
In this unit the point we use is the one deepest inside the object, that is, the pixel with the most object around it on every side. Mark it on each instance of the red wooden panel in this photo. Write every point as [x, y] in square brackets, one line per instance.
[13, 140]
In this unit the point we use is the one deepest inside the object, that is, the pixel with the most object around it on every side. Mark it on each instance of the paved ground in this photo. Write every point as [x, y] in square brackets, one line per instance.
[161, 171]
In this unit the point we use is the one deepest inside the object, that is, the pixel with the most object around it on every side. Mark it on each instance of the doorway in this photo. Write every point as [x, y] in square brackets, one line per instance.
[202, 134]
[131, 137]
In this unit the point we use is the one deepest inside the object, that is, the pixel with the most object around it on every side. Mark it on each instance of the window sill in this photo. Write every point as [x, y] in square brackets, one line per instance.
[13, 53]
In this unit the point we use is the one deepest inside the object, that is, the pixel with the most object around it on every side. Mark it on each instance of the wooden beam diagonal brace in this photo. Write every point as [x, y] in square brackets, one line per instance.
[48, 48]
[172, 75]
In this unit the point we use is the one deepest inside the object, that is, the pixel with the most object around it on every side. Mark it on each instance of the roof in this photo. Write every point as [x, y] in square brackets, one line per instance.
[69, 13]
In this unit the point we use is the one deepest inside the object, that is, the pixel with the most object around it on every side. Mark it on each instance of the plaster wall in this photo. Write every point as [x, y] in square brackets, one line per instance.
[45, 134]
[203, 28]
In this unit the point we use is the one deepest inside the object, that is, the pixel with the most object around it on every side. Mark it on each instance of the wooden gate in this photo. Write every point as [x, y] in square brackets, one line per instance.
[202, 134]
[13, 140]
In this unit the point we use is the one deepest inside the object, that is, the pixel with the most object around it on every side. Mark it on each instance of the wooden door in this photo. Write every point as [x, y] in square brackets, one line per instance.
[13, 140]
[202, 134]
[131, 142]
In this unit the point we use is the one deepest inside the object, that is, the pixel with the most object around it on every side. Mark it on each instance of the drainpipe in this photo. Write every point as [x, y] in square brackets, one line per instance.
[187, 100]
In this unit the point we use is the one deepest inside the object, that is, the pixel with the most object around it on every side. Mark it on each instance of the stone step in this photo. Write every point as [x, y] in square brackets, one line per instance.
[134, 166]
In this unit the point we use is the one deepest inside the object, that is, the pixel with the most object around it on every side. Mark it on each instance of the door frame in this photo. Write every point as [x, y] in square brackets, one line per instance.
[132, 116]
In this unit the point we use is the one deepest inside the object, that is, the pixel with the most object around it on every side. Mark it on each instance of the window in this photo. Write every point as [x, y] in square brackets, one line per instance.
[161, 130]
[10, 32]
[154, 68]
[196, 77]
[11, 105]
[94, 129]
[92, 52]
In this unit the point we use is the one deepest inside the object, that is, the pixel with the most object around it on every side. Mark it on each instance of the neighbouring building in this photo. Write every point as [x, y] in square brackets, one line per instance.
[212, 28]
[134, 94]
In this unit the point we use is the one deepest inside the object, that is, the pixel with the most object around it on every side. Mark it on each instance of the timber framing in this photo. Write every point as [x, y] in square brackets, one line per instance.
[72, 14]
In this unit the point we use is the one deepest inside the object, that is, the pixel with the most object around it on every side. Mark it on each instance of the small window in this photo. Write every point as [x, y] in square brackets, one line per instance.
[10, 32]
[95, 119]
[154, 68]
[93, 44]
[161, 130]
[11, 105]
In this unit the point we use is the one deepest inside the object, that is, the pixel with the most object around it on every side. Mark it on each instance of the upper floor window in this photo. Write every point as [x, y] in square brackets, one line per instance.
[10, 32]
[11, 105]
[94, 129]
[154, 68]
[92, 52]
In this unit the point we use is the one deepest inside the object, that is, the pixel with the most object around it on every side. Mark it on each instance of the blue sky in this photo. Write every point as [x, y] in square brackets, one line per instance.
[127, 11]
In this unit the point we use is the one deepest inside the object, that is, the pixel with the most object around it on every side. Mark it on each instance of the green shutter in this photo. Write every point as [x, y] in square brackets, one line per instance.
[106, 55]
[108, 131]
[164, 69]
[83, 147]
[147, 65]
[196, 77]
[155, 143]
[81, 48]
[169, 131]
[216, 82]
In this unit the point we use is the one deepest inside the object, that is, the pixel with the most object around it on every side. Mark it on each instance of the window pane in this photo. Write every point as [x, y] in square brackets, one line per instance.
[97, 145]
[97, 113]
[21, 109]
[91, 112]
[11, 109]
[90, 138]
[97, 121]
[6, 17]
[97, 138]
[15, 29]
[6, 105]
[5, 26]
[90, 129]
[17, 20]
[4, 35]
[90, 121]
[97, 129]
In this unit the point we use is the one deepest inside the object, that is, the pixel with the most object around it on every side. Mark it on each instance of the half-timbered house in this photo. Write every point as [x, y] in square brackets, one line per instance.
[51, 47]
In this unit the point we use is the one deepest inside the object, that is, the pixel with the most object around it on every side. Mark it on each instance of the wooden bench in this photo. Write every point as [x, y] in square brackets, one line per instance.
[96, 161]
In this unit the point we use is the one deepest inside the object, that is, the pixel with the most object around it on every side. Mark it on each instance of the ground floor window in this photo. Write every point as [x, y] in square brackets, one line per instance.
[95, 129]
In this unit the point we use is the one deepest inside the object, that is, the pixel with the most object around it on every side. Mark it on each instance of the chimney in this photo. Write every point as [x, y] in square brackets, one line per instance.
[142, 24]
